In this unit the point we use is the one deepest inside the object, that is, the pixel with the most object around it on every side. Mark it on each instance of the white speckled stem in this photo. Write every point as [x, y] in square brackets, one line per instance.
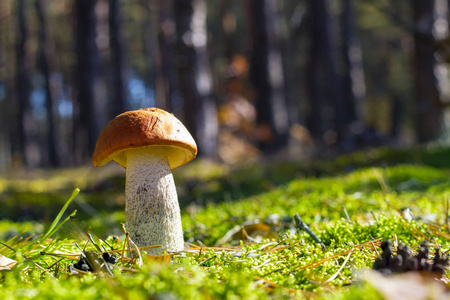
[151, 208]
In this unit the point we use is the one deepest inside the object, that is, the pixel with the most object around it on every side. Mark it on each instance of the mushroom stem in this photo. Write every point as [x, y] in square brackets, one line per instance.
[151, 208]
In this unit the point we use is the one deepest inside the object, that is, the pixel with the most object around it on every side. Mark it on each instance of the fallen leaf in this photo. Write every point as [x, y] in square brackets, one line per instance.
[6, 264]
[248, 229]
[160, 258]
[407, 286]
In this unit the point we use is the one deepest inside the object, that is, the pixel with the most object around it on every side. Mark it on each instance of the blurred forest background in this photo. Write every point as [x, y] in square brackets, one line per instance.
[248, 78]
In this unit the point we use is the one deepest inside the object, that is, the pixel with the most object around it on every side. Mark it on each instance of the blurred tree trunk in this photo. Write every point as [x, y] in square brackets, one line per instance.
[195, 79]
[267, 75]
[353, 92]
[429, 112]
[7, 111]
[119, 78]
[323, 91]
[21, 137]
[448, 16]
[167, 80]
[44, 65]
[228, 28]
[87, 54]
[155, 44]
[396, 116]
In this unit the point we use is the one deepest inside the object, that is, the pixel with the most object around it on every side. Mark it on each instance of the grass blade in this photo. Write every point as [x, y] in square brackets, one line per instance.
[53, 228]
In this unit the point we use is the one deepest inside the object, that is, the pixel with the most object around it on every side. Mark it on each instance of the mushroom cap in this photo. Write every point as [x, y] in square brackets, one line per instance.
[144, 129]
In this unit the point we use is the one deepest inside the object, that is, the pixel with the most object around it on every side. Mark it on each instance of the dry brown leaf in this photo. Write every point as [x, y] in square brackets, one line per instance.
[160, 258]
[407, 286]
[242, 232]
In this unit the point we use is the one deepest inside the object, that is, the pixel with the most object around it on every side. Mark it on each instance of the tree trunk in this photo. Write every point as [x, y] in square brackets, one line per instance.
[43, 62]
[6, 82]
[86, 128]
[267, 75]
[119, 78]
[228, 29]
[353, 75]
[194, 74]
[157, 39]
[323, 91]
[23, 118]
[429, 112]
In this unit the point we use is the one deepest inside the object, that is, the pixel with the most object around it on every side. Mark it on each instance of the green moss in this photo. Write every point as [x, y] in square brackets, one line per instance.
[351, 212]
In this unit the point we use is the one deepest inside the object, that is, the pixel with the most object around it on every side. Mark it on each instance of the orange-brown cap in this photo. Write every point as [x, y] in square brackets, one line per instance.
[144, 128]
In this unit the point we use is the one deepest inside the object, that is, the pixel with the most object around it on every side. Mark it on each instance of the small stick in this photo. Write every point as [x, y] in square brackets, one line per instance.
[340, 269]
[206, 260]
[56, 264]
[446, 213]
[68, 256]
[395, 241]
[93, 243]
[302, 226]
[137, 250]
[127, 238]
[346, 214]
[375, 248]
[384, 186]
[82, 254]
[375, 217]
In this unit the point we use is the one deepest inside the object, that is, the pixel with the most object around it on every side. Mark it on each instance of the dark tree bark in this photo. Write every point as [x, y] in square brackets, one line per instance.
[194, 74]
[167, 80]
[21, 137]
[396, 116]
[267, 75]
[6, 81]
[228, 29]
[353, 74]
[44, 65]
[119, 78]
[429, 112]
[322, 78]
[86, 128]
[159, 46]
[448, 15]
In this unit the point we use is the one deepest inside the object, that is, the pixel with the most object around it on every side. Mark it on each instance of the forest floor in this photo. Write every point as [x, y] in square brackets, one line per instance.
[244, 239]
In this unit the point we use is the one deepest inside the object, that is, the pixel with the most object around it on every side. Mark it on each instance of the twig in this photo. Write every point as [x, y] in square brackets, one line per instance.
[93, 242]
[127, 238]
[382, 182]
[276, 248]
[340, 269]
[63, 255]
[137, 250]
[417, 232]
[436, 231]
[321, 261]
[302, 226]
[375, 217]
[446, 213]
[395, 241]
[346, 214]
[206, 260]
[375, 248]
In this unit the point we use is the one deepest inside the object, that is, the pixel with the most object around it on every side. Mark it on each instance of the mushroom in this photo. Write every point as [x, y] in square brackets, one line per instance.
[148, 143]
